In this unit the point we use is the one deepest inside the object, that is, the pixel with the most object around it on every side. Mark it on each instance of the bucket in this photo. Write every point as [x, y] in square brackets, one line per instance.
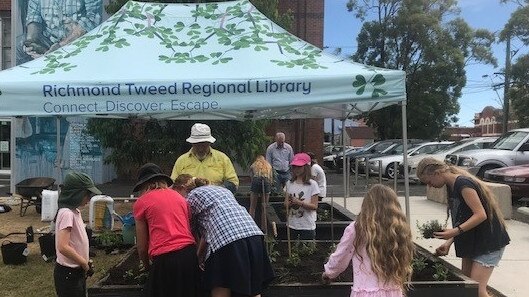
[101, 210]
[14, 253]
[129, 234]
[47, 246]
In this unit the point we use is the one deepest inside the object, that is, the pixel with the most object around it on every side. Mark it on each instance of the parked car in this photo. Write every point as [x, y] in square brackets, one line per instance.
[329, 160]
[370, 148]
[387, 163]
[334, 149]
[456, 147]
[509, 150]
[395, 149]
[517, 177]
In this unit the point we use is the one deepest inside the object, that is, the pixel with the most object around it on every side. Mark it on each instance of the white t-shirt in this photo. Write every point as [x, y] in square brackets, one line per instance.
[319, 176]
[300, 218]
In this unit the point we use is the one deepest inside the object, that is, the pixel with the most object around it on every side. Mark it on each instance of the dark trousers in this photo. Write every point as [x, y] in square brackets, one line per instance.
[302, 234]
[69, 282]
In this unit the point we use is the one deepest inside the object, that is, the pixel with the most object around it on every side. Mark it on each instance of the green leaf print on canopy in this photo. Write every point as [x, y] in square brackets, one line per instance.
[186, 43]
[377, 81]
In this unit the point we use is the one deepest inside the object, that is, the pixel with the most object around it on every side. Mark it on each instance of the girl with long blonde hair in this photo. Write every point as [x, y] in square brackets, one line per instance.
[379, 244]
[261, 179]
[478, 229]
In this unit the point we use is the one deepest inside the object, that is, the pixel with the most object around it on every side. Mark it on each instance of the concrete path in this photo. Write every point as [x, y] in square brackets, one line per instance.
[509, 278]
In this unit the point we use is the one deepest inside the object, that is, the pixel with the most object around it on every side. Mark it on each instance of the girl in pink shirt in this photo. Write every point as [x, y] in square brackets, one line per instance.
[379, 245]
[165, 243]
[71, 240]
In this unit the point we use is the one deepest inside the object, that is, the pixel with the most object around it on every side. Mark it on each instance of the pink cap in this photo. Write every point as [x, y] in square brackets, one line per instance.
[300, 159]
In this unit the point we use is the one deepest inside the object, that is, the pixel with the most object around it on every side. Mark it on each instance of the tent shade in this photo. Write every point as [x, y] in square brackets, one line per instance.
[195, 61]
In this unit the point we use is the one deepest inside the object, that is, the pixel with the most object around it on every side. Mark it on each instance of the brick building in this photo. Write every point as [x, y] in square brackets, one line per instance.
[5, 34]
[306, 134]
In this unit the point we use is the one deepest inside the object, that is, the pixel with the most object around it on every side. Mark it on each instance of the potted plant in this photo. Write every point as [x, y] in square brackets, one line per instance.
[427, 229]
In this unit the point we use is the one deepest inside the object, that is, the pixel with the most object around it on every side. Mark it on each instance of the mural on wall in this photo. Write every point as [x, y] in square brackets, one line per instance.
[47, 146]
[46, 25]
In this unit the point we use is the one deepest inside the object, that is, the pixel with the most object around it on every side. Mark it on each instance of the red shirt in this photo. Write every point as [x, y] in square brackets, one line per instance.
[167, 215]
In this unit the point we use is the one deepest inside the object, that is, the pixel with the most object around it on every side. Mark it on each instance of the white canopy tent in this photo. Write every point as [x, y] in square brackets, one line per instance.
[196, 61]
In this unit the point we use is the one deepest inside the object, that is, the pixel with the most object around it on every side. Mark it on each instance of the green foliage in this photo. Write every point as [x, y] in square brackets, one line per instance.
[134, 142]
[417, 37]
[418, 263]
[139, 275]
[294, 260]
[109, 239]
[427, 229]
[323, 215]
[441, 272]
[305, 248]
[273, 253]
[519, 91]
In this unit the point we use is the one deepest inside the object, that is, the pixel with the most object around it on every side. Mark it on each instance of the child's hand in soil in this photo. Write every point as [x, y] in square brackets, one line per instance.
[325, 278]
[443, 249]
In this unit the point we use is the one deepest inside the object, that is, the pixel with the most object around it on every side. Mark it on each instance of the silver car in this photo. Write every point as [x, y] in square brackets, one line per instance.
[387, 163]
[456, 147]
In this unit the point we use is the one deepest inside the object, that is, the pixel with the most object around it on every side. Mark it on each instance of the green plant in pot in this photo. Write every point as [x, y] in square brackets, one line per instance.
[427, 229]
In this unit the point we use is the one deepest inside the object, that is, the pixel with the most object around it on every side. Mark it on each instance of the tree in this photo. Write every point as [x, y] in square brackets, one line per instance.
[414, 36]
[519, 91]
[518, 26]
[134, 141]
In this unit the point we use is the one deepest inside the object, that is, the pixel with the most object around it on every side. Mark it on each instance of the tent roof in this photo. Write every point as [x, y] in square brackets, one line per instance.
[195, 61]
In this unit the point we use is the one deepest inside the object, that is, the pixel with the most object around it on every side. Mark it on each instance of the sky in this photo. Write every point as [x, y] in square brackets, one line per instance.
[341, 29]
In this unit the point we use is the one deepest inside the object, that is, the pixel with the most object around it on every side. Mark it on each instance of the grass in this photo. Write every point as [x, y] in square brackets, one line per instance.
[35, 277]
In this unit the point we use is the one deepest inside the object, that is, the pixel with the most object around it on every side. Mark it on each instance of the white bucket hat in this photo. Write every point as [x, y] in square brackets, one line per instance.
[200, 133]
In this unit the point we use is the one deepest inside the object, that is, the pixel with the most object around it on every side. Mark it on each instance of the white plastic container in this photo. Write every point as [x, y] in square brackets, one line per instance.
[101, 210]
[49, 205]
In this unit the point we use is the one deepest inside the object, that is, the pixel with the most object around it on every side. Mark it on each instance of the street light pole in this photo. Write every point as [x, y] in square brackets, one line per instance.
[505, 124]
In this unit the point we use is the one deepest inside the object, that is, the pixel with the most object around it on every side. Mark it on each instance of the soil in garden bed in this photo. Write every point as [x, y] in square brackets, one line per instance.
[304, 266]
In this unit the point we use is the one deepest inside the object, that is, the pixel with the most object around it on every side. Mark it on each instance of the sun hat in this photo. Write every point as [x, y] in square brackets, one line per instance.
[149, 171]
[74, 188]
[300, 159]
[200, 133]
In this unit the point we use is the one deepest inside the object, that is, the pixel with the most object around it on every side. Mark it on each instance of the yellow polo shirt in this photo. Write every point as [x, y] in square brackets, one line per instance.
[216, 167]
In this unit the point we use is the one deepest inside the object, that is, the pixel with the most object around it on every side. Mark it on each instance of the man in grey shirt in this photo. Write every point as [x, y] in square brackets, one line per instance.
[279, 154]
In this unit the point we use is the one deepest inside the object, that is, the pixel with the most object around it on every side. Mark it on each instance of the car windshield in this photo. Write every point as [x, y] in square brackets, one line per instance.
[450, 147]
[413, 148]
[509, 141]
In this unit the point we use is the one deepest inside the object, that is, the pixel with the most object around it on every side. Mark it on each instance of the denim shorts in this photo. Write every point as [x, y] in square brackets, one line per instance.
[491, 259]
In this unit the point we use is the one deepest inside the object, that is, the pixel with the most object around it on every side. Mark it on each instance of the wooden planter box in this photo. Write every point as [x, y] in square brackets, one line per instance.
[458, 286]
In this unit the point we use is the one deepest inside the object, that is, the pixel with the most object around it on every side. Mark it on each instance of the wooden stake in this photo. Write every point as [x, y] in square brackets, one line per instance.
[288, 232]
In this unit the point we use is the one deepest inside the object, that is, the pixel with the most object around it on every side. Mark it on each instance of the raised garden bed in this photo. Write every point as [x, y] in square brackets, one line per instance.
[326, 228]
[301, 278]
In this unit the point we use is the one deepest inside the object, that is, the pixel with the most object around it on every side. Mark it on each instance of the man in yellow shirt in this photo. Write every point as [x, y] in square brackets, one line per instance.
[204, 161]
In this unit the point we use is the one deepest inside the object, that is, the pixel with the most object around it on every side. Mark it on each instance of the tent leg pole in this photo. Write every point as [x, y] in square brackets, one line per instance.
[405, 160]
[344, 167]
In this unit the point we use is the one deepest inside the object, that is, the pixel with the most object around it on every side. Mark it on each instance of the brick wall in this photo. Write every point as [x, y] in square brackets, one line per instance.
[307, 134]
[5, 5]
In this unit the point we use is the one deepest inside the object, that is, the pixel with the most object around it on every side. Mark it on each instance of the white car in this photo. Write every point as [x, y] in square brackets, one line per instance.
[456, 147]
[388, 163]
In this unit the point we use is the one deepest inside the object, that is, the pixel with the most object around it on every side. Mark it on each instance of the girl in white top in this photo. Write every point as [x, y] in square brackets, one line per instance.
[301, 199]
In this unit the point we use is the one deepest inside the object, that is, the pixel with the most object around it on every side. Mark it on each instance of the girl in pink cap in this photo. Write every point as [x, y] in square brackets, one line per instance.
[301, 199]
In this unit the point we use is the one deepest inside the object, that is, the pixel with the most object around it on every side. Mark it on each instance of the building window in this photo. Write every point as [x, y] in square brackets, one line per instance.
[5, 42]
